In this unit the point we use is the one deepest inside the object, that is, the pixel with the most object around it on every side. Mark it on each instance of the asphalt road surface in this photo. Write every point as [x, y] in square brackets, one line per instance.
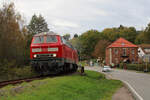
[140, 82]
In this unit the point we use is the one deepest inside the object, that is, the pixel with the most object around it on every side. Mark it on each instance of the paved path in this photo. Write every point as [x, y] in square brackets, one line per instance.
[140, 82]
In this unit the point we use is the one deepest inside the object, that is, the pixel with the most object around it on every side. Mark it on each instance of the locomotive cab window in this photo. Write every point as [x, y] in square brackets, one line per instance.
[51, 39]
[63, 40]
[38, 39]
[66, 43]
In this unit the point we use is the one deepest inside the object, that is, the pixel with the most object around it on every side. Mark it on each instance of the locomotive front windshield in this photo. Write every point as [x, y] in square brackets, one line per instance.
[51, 39]
[47, 39]
[38, 39]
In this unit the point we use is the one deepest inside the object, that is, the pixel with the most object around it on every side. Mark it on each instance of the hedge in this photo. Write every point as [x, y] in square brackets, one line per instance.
[137, 67]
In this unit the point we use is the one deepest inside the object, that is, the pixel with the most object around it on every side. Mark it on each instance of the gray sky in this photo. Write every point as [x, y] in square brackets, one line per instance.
[78, 16]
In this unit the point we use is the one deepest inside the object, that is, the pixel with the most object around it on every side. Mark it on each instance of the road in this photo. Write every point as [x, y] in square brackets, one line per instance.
[140, 82]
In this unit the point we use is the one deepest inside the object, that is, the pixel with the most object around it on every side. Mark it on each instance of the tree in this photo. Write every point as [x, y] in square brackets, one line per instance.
[100, 48]
[144, 36]
[129, 33]
[76, 35]
[67, 36]
[140, 38]
[12, 40]
[88, 40]
[76, 43]
[37, 25]
[111, 34]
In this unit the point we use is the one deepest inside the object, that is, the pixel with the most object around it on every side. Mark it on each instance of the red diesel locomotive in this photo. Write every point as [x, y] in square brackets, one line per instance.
[50, 53]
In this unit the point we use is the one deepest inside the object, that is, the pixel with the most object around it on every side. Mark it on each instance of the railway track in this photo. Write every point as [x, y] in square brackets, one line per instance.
[14, 82]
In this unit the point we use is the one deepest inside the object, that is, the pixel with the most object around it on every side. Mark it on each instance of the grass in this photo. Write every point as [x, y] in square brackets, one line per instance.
[92, 86]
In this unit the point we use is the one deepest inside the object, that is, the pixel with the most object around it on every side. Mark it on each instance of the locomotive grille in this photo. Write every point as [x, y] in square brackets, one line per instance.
[44, 55]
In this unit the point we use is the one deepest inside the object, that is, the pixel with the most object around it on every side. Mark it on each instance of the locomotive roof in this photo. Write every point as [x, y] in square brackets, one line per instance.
[46, 33]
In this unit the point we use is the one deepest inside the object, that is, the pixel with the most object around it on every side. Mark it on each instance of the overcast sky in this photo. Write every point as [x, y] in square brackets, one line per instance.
[78, 16]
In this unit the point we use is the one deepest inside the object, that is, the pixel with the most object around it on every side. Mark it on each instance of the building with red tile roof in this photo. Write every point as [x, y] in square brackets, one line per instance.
[121, 51]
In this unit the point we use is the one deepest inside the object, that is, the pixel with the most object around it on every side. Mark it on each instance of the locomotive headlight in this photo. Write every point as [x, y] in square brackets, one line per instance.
[52, 49]
[36, 49]
[54, 55]
[34, 56]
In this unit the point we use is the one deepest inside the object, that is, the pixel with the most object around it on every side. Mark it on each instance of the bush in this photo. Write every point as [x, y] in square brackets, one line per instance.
[137, 67]
[9, 71]
[121, 65]
[132, 66]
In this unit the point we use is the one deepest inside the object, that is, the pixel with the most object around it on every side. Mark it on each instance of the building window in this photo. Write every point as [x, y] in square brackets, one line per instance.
[124, 52]
[133, 51]
[116, 51]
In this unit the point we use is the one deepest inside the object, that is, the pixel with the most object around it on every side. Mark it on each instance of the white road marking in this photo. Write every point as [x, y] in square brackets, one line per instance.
[133, 90]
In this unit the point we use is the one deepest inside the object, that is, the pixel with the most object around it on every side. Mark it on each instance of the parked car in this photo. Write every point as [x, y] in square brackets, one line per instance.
[106, 69]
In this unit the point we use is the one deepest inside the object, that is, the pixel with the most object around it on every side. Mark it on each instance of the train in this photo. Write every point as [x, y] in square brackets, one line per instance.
[50, 53]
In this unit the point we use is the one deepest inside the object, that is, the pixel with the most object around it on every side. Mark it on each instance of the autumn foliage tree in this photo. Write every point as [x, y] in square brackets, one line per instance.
[88, 40]
[111, 34]
[12, 40]
[144, 36]
[100, 47]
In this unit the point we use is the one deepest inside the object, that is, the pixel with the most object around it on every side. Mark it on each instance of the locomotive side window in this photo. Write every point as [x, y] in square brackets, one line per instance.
[66, 43]
[51, 39]
[63, 40]
[38, 39]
